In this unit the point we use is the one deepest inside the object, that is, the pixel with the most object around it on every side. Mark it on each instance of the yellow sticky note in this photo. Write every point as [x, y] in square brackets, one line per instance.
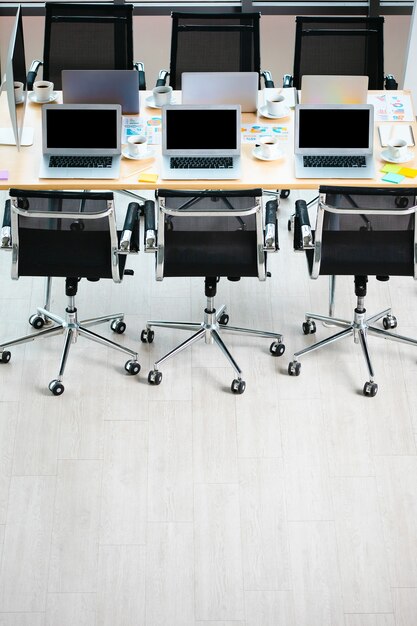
[410, 172]
[148, 178]
[391, 167]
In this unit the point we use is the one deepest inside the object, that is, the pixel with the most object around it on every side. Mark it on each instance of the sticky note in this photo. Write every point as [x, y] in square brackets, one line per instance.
[4, 175]
[148, 178]
[391, 167]
[392, 178]
[410, 172]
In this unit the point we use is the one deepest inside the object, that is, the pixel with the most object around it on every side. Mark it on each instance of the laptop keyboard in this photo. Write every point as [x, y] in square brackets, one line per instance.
[80, 161]
[334, 161]
[201, 163]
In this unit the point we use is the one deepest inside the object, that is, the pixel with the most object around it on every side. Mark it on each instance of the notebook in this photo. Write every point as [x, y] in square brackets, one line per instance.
[201, 141]
[102, 87]
[221, 88]
[334, 89]
[334, 141]
[81, 141]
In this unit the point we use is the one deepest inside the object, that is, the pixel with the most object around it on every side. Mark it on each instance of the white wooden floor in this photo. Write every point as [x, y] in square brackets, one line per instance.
[294, 504]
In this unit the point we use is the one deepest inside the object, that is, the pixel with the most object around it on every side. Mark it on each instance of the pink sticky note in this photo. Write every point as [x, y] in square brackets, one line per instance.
[4, 175]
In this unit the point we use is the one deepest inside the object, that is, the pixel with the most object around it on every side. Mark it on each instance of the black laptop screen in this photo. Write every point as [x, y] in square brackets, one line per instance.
[201, 129]
[81, 128]
[334, 128]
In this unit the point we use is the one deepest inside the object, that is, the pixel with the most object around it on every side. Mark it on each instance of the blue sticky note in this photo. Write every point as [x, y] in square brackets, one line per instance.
[392, 178]
[4, 175]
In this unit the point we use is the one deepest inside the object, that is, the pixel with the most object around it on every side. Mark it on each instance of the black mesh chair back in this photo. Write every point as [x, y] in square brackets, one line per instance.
[214, 42]
[210, 245]
[67, 234]
[370, 234]
[87, 36]
[340, 46]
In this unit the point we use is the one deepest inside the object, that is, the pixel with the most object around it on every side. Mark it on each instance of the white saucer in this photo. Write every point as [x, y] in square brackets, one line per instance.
[264, 112]
[21, 101]
[257, 154]
[385, 156]
[148, 154]
[33, 98]
[150, 102]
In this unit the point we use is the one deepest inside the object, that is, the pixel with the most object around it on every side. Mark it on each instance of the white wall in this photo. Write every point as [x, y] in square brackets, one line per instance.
[153, 34]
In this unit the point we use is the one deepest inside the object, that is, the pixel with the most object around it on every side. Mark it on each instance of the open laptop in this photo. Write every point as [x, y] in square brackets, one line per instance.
[221, 88]
[334, 141]
[81, 141]
[334, 89]
[201, 141]
[102, 87]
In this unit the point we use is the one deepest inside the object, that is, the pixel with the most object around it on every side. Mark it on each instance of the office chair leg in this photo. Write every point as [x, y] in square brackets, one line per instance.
[370, 388]
[155, 376]
[106, 342]
[46, 332]
[385, 334]
[238, 385]
[176, 325]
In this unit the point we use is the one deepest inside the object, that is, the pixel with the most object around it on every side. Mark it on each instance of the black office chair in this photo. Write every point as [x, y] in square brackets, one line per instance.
[71, 235]
[210, 234]
[352, 46]
[214, 42]
[360, 232]
[82, 36]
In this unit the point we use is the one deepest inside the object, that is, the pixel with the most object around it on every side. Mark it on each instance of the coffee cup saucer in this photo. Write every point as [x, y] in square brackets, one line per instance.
[52, 97]
[385, 155]
[264, 112]
[150, 102]
[256, 152]
[19, 101]
[149, 153]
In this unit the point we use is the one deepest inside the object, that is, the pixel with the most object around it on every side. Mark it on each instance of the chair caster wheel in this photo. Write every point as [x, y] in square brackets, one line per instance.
[389, 322]
[154, 377]
[147, 336]
[37, 321]
[294, 368]
[118, 326]
[309, 327]
[224, 319]
[285, 193]
[238, 386]
[276, 348]
[132, 367]
[370, 389]
[56, 387]
[5, 356]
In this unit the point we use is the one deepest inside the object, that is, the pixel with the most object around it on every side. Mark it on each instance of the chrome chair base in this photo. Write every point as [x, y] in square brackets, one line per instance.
[360, 328]
[215, 321]
[72, 328]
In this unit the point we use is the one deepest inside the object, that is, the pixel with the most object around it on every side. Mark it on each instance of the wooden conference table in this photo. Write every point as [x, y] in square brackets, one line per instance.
[23, 166]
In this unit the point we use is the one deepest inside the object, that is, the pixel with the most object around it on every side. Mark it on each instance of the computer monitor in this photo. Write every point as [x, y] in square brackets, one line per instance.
[15, 70]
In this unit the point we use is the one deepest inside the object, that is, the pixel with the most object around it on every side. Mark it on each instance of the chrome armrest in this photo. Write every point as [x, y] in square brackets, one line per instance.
[267, 76]
[271, 230]
[162, 78]
[303, 236]
[33, 72]
[390, 82]
[140, 68]
[6, 228]
[129, 240]
[150, 229]
[287, 80]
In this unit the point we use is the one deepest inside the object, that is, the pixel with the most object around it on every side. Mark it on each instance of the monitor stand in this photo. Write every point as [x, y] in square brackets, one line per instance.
[7, 137]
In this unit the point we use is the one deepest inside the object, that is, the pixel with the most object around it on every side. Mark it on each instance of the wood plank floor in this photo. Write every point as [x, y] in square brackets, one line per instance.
[294, 504]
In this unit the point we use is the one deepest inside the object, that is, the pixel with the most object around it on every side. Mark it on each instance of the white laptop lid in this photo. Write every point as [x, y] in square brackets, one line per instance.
[102, 87]
[201, 130]
[81, 129]
[334, 89]
[333, 129]
[221, 88]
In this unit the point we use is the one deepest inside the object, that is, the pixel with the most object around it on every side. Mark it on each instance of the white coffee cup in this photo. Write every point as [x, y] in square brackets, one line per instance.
[18, 91]
[137, 146]
[397, 149]
[43, 90]
[268, 147]
[162, 95]
[275, 105]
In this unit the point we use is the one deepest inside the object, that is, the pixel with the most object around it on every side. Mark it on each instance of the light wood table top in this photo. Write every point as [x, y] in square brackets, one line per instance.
[23, 166]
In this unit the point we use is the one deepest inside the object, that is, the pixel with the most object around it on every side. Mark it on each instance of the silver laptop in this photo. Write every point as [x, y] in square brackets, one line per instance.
[81, 141]
[334, 89]
[334, 141]
[221, 88]
[201, 141]
[102, 87]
